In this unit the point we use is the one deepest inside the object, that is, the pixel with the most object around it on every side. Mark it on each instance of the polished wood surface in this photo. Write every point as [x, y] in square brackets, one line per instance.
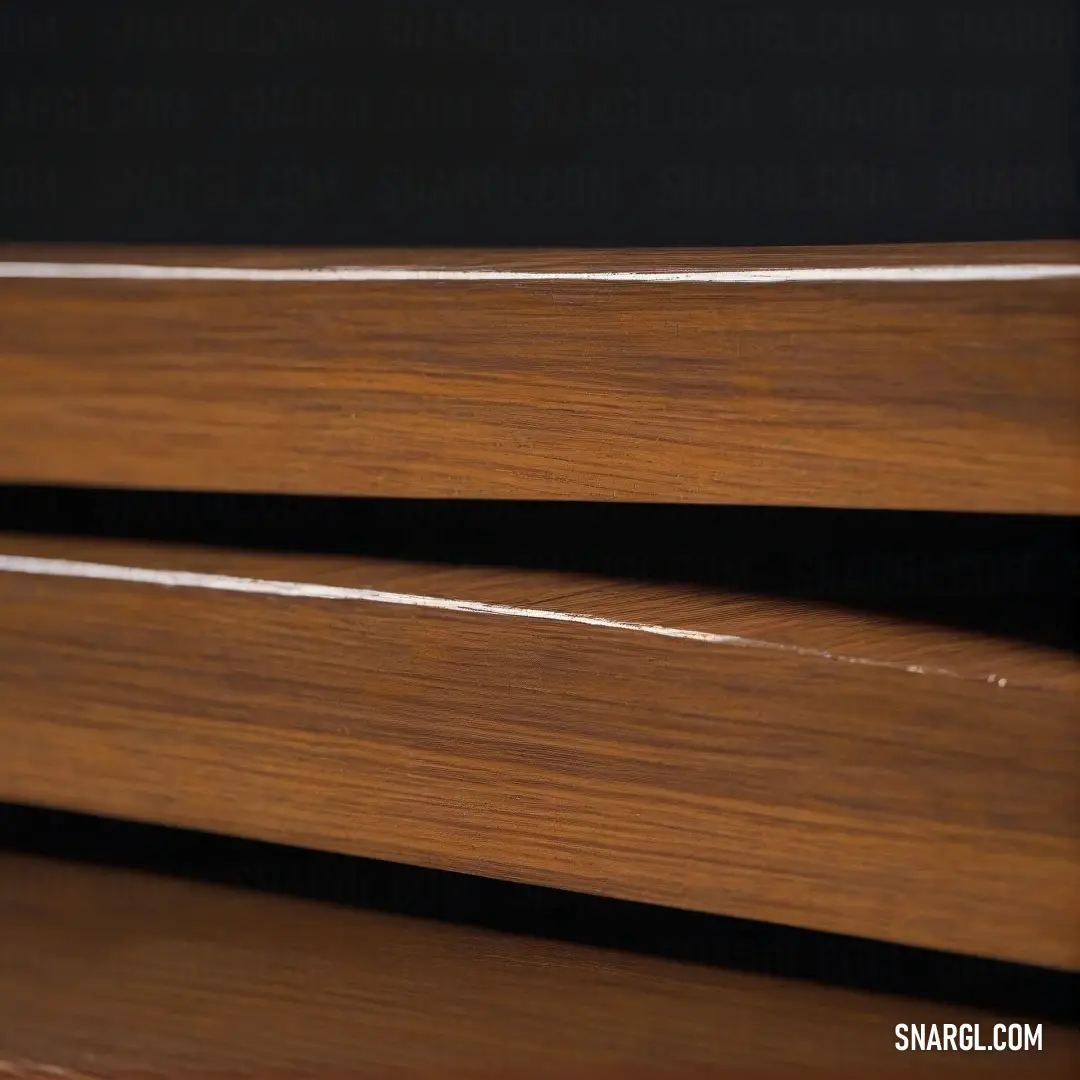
[929, 809]
[111, 974]
[929, 395]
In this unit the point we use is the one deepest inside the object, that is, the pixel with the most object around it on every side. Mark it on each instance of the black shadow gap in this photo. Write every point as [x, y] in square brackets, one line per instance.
[1014, 576]
[1007, 989]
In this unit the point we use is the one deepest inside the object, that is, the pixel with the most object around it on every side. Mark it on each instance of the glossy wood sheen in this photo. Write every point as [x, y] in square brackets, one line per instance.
[924, 809]
[113, 974]
[935, 395]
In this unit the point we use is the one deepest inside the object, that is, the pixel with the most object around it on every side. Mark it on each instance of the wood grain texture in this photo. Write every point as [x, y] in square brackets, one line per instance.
[924, 809]
[115, 974]
[939, 395]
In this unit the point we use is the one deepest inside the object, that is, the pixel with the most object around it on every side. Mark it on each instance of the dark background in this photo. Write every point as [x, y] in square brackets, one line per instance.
[721, 122]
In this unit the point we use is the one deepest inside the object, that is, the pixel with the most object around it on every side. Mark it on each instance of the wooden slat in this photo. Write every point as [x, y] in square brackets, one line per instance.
[920, 395]
[110, 974]
[931, 809]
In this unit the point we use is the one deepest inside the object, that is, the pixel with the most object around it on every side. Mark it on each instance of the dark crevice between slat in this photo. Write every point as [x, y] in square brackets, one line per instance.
[1006, 989]
[1009, 575]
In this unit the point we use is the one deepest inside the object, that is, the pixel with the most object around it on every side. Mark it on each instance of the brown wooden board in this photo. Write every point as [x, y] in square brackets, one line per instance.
[937, 394]
[115, 974]
[792, 770]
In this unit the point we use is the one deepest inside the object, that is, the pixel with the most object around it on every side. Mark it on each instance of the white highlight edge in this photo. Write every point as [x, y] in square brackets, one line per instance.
[896, 274]
[173, 579]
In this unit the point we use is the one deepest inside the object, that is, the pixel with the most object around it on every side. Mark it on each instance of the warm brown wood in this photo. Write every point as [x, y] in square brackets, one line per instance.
[113, 974]
[920, 808]
[926, 396]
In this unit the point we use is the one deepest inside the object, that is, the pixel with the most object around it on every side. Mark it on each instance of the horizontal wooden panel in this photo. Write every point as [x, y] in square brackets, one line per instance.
[928, 393]
[763, 759]
[109, 973]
